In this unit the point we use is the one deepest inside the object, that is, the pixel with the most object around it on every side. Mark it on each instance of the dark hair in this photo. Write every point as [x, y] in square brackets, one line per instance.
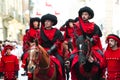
[0, 42]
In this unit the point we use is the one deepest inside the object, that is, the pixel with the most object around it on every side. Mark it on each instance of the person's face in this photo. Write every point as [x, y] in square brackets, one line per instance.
[48, 23]
[112, 43]
[85, 16]
[8, 51]
[71, 24]
[35, 24]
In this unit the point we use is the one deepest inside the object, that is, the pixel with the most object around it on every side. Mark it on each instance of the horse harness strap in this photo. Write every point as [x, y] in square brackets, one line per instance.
[46, 42]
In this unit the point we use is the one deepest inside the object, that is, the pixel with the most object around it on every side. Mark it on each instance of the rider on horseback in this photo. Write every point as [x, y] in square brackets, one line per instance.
[51, 38]
[88, 30]
[28, 39]
[33, 32]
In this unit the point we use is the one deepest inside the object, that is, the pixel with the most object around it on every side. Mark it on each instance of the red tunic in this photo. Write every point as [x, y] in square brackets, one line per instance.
[25, 45]
[94, 32]
[1, 68]
[51, 37]
[24, 61]
[31, 33]
[112, 59]
[11, 66]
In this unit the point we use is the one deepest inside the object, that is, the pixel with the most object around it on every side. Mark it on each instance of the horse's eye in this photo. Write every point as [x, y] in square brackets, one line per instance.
[37, 53]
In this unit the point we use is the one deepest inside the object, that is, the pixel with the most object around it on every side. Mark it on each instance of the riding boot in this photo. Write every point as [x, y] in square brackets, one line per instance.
[61, 62]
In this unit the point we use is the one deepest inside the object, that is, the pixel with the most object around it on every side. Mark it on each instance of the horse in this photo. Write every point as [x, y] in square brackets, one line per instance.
[43, 66]
[81, 68]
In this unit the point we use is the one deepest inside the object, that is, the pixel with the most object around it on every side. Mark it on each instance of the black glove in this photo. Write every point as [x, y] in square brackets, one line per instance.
[51, 49]
[63, 25]
[70, 46]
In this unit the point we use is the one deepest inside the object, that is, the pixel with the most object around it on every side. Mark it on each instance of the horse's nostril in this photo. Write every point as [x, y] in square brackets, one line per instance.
[31, 69]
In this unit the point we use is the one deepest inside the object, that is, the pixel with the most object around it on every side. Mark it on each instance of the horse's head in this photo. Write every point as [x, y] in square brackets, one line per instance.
[83, 45]
[37, 57]
[32, 54]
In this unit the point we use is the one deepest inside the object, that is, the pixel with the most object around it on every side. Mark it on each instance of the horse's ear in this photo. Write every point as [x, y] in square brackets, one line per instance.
[36, 42]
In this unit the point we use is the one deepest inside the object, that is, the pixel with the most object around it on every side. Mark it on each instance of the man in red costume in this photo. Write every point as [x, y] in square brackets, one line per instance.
[69, 36]
[93, 64]
[10, 64]
[112, 57]
[51, 38]
[33, 32]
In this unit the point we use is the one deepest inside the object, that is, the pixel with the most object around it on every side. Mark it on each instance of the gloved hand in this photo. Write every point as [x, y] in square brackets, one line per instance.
[94, 39]
[51, 49]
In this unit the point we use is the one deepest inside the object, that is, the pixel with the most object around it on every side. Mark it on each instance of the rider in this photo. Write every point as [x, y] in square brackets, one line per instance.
[68, 29]
[51, 38]
[91, 30]
[34, 32]
[31, 34]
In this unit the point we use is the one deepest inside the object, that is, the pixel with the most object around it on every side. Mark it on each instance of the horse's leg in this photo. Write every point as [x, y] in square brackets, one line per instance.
[36, 71]
[55, 74]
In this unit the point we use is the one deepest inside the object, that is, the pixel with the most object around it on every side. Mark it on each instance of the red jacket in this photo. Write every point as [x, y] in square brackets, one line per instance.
[91, 30]
[69, 33]
[112, 62]
[1, 68]
[51, 37]
[10, 66]
[31, 33]
[24, 61]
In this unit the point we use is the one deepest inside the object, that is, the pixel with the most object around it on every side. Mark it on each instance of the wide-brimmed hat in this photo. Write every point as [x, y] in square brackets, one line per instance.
[51, 17]
[86, 9]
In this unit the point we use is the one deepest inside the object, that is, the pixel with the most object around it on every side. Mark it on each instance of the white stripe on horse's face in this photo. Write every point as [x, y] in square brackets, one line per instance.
[31, 65]
[31, 54]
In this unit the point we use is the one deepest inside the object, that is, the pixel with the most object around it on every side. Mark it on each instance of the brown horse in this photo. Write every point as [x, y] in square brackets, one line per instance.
[40, 64]
[43, 66]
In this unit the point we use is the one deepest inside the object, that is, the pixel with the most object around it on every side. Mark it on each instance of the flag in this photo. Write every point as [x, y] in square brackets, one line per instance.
[37, 13]
[57, 13]
[48, 5]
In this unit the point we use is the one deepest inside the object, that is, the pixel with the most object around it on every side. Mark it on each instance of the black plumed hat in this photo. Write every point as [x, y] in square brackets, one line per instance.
[86, 9]
[51, 17]
[34, 19]
[69, 20]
